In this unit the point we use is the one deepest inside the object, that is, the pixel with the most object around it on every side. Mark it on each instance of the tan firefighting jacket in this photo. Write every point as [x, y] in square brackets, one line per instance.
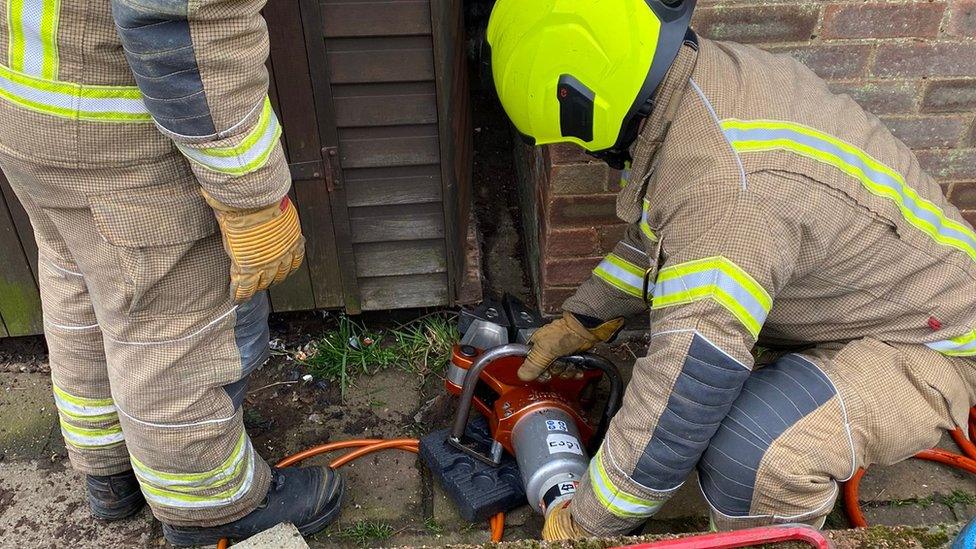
[83, 81]
[763, 208]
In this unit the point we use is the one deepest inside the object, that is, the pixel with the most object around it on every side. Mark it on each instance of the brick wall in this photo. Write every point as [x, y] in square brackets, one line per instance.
[912, 63]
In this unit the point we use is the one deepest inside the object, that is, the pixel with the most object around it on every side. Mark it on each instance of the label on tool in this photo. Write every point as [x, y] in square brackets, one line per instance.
[563, 444]
[556, 425]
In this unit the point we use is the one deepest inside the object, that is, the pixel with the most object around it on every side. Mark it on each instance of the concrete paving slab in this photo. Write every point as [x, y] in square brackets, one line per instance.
[44, 506]
[29, 429]
[916, 479]
[283, 536]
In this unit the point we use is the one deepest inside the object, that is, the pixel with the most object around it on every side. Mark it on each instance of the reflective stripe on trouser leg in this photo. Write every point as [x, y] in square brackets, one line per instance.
[791, 402]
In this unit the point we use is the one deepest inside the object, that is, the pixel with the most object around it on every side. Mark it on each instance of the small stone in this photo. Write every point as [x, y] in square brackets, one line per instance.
[315, 418]
[307, 377]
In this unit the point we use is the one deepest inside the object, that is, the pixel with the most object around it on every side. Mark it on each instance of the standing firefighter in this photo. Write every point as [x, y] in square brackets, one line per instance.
[762, 208]
[115, 116]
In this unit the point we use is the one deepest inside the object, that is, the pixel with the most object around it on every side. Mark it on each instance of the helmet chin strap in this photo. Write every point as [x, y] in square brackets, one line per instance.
[615, 158]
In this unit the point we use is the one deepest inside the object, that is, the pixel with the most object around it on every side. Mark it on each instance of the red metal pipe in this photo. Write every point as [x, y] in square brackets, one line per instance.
[741, 538]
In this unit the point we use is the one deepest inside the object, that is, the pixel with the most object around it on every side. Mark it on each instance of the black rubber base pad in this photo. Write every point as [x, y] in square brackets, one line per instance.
[477, 489]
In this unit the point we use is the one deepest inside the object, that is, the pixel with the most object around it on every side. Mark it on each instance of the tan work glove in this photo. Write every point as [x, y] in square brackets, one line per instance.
[560, 525]
[265, 245]
[563, 337]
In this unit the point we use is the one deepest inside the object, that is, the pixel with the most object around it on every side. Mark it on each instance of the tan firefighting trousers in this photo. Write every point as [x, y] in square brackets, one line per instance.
[149, 354]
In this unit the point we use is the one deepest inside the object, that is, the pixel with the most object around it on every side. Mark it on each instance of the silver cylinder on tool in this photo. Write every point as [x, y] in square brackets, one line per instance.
[550, 455]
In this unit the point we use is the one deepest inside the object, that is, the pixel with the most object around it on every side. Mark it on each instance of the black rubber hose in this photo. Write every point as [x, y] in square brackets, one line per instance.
[590, 361]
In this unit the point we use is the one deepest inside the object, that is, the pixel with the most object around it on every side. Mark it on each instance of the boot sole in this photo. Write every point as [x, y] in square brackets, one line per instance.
[180, 538]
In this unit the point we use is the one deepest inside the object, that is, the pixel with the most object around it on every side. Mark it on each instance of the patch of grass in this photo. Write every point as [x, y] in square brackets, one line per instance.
[433, 527]
[924, 503]
[958, 497]
[422, 346]
[365, 531]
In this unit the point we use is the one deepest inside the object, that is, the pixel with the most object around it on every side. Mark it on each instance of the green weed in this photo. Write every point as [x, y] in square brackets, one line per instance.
[422, 346]
[958, 497]
[433, 527]
[365, 531]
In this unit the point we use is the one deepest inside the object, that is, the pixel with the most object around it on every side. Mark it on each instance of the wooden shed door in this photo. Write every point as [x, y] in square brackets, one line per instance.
[301, 94]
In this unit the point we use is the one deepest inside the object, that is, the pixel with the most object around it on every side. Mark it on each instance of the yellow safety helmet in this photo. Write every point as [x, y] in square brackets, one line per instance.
[584, 71]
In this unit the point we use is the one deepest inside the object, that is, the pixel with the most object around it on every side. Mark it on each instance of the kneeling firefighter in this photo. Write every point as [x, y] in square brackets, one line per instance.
[762, 208]
[139, 137]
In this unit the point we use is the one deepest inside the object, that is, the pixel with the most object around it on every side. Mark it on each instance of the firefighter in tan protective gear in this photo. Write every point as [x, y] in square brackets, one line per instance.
[762, 209]
[140, 139]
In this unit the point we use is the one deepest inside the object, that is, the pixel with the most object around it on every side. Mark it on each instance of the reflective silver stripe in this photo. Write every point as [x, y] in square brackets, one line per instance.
[83, 440]
[82, 411]
[618, 502]
[148, 475]
[72, 101]
[621, 274]
[192, 501]
[245, 158]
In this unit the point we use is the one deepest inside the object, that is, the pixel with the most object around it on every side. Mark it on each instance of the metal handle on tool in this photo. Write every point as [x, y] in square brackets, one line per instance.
[471, 381]
[597, 362]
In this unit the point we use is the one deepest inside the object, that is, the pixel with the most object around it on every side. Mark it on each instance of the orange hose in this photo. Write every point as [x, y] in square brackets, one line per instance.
[966, 462]
[852, 505]
[367, 446]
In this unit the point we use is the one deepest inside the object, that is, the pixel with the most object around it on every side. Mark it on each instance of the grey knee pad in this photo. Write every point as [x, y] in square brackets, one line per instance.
[773, 399]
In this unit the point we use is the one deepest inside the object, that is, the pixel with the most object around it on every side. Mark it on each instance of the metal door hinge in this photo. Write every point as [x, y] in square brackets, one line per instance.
[333, 173]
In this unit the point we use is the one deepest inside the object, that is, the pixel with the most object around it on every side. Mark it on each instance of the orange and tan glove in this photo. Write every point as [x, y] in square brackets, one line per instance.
[563, 337]
[265, 245]
[560, 526]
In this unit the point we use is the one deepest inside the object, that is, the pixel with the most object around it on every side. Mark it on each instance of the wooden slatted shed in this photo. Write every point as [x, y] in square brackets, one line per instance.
[373, 98]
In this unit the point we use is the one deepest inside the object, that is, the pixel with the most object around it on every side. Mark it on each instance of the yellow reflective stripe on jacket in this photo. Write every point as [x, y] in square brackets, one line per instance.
[645, 227]
[964, 345]
[622, 275]
[249, 155]
[718, 279]
[73, 101]
[619, 503]
[33, 36]
[875, 177]
[222, 485]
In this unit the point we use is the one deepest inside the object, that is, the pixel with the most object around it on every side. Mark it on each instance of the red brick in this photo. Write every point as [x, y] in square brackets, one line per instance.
[925, 59]
[950, 96]
[952, 165]
[583, 211]
[962, 19]
[610, 236]
[572, 243]
[882, 96]
[568, 153]
[758, 24]
[831, 61]
[568, 272]
[963, 195]
[553, 299]
[929, 132]
[588, 178]
[875, 20]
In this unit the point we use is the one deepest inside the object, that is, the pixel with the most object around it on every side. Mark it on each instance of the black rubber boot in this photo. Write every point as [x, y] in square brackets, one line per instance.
[114, 497]
[308, 497]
